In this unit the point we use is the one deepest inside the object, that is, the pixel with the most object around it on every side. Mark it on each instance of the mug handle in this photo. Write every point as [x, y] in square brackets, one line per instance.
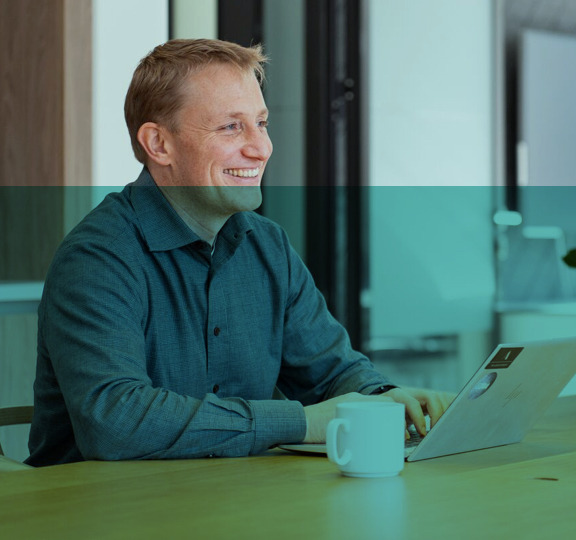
[331, 441]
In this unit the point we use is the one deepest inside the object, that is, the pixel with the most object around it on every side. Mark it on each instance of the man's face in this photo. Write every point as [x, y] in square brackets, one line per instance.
[221, 142]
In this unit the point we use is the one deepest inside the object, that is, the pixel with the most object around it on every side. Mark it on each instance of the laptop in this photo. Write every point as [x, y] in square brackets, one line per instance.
[512, 388]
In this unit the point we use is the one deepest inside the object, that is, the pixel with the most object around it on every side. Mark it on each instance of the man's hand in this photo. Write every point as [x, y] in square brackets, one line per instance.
[418, 402]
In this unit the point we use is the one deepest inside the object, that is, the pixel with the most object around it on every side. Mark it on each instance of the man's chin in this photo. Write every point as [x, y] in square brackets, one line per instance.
[242, 198]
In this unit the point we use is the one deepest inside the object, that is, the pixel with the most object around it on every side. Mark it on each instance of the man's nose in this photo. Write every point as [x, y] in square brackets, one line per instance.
[258, 144]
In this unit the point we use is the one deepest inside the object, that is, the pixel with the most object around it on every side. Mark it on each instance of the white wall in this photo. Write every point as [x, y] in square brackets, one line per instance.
[430, 116]
[284, 192]
[430, 92]
[123, 32]
[195, 19]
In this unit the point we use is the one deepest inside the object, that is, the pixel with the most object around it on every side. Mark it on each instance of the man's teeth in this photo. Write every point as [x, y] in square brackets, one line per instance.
[243, 173]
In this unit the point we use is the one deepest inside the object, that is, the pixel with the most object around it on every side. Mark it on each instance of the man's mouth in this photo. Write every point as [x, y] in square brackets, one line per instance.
[243, 173]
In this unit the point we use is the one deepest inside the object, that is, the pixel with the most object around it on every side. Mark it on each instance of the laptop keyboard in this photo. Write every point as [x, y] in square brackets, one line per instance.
[414, 439]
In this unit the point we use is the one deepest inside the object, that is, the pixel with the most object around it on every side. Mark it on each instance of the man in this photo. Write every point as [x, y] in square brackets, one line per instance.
[173, 313]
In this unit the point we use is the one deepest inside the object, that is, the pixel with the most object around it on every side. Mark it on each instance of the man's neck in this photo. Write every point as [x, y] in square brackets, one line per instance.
[179, 199]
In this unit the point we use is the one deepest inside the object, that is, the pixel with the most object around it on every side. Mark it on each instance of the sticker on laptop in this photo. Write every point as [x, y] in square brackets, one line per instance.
[482, 385]
[504, 357]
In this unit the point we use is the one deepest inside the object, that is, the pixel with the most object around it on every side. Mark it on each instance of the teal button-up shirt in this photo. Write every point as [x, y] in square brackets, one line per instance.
[152, 347]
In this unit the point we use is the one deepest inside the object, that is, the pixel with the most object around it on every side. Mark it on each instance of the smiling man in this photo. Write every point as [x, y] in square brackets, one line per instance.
[173, 315]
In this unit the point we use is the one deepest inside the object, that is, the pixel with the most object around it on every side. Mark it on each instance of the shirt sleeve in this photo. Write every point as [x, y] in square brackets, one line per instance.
[318, 360]
[93, 345]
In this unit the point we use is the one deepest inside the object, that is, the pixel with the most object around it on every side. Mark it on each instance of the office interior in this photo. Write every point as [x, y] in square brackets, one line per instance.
[430, 188]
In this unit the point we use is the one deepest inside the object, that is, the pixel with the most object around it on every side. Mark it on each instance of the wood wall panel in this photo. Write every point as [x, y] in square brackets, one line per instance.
[31, 229]
[31, 92]
[45, 129]
[78, 93]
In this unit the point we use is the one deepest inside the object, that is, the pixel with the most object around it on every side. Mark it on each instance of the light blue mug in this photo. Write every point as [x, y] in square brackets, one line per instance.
[366, 439]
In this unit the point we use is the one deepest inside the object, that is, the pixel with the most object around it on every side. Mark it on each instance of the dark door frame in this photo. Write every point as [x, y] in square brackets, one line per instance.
[334, 167]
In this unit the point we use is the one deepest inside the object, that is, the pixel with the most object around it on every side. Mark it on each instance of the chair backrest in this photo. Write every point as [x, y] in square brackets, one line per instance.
[12, 416]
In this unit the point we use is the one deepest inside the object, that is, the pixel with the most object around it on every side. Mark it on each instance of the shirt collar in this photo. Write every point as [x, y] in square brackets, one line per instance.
[164, 229]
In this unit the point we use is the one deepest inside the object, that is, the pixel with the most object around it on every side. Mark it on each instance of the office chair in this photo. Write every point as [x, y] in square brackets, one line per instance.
[12, 416]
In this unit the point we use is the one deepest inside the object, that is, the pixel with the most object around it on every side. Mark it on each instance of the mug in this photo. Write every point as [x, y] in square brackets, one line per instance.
[366, 439]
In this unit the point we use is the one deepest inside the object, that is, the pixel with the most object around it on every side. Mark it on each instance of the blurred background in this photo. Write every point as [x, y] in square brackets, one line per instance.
[423, 161]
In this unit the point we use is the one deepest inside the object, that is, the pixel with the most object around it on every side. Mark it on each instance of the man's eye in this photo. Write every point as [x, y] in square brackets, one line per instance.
[232, 127]
[263, 124]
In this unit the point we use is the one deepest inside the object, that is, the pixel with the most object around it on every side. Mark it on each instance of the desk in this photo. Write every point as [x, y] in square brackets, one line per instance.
[526, 490]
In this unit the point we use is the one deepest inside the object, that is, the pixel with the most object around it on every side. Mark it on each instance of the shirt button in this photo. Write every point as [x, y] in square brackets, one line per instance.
[215, 389]
[216, 331]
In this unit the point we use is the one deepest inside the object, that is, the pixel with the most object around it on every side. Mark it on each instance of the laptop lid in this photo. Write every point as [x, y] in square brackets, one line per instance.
[503, 399]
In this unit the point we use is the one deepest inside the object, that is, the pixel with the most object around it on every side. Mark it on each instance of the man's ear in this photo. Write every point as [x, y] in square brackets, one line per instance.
[155, 141]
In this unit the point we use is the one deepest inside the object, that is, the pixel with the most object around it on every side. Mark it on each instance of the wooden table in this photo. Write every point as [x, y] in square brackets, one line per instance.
[527, 491]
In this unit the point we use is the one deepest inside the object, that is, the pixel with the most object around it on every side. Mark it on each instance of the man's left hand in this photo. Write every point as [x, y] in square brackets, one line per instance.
[420, 402]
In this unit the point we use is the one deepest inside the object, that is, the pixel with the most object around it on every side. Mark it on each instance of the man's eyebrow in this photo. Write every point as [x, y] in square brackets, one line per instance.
[263, 112]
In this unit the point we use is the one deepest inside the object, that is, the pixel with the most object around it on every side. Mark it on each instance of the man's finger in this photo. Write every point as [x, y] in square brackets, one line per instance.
[414, 411]
[437, 405]
[435, 410]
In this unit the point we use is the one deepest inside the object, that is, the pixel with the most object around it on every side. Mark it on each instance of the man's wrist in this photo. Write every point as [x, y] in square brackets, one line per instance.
[382, 389]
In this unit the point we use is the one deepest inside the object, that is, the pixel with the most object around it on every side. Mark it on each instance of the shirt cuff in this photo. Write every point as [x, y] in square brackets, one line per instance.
[378, 389]
[382, 389]
[277, 422]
